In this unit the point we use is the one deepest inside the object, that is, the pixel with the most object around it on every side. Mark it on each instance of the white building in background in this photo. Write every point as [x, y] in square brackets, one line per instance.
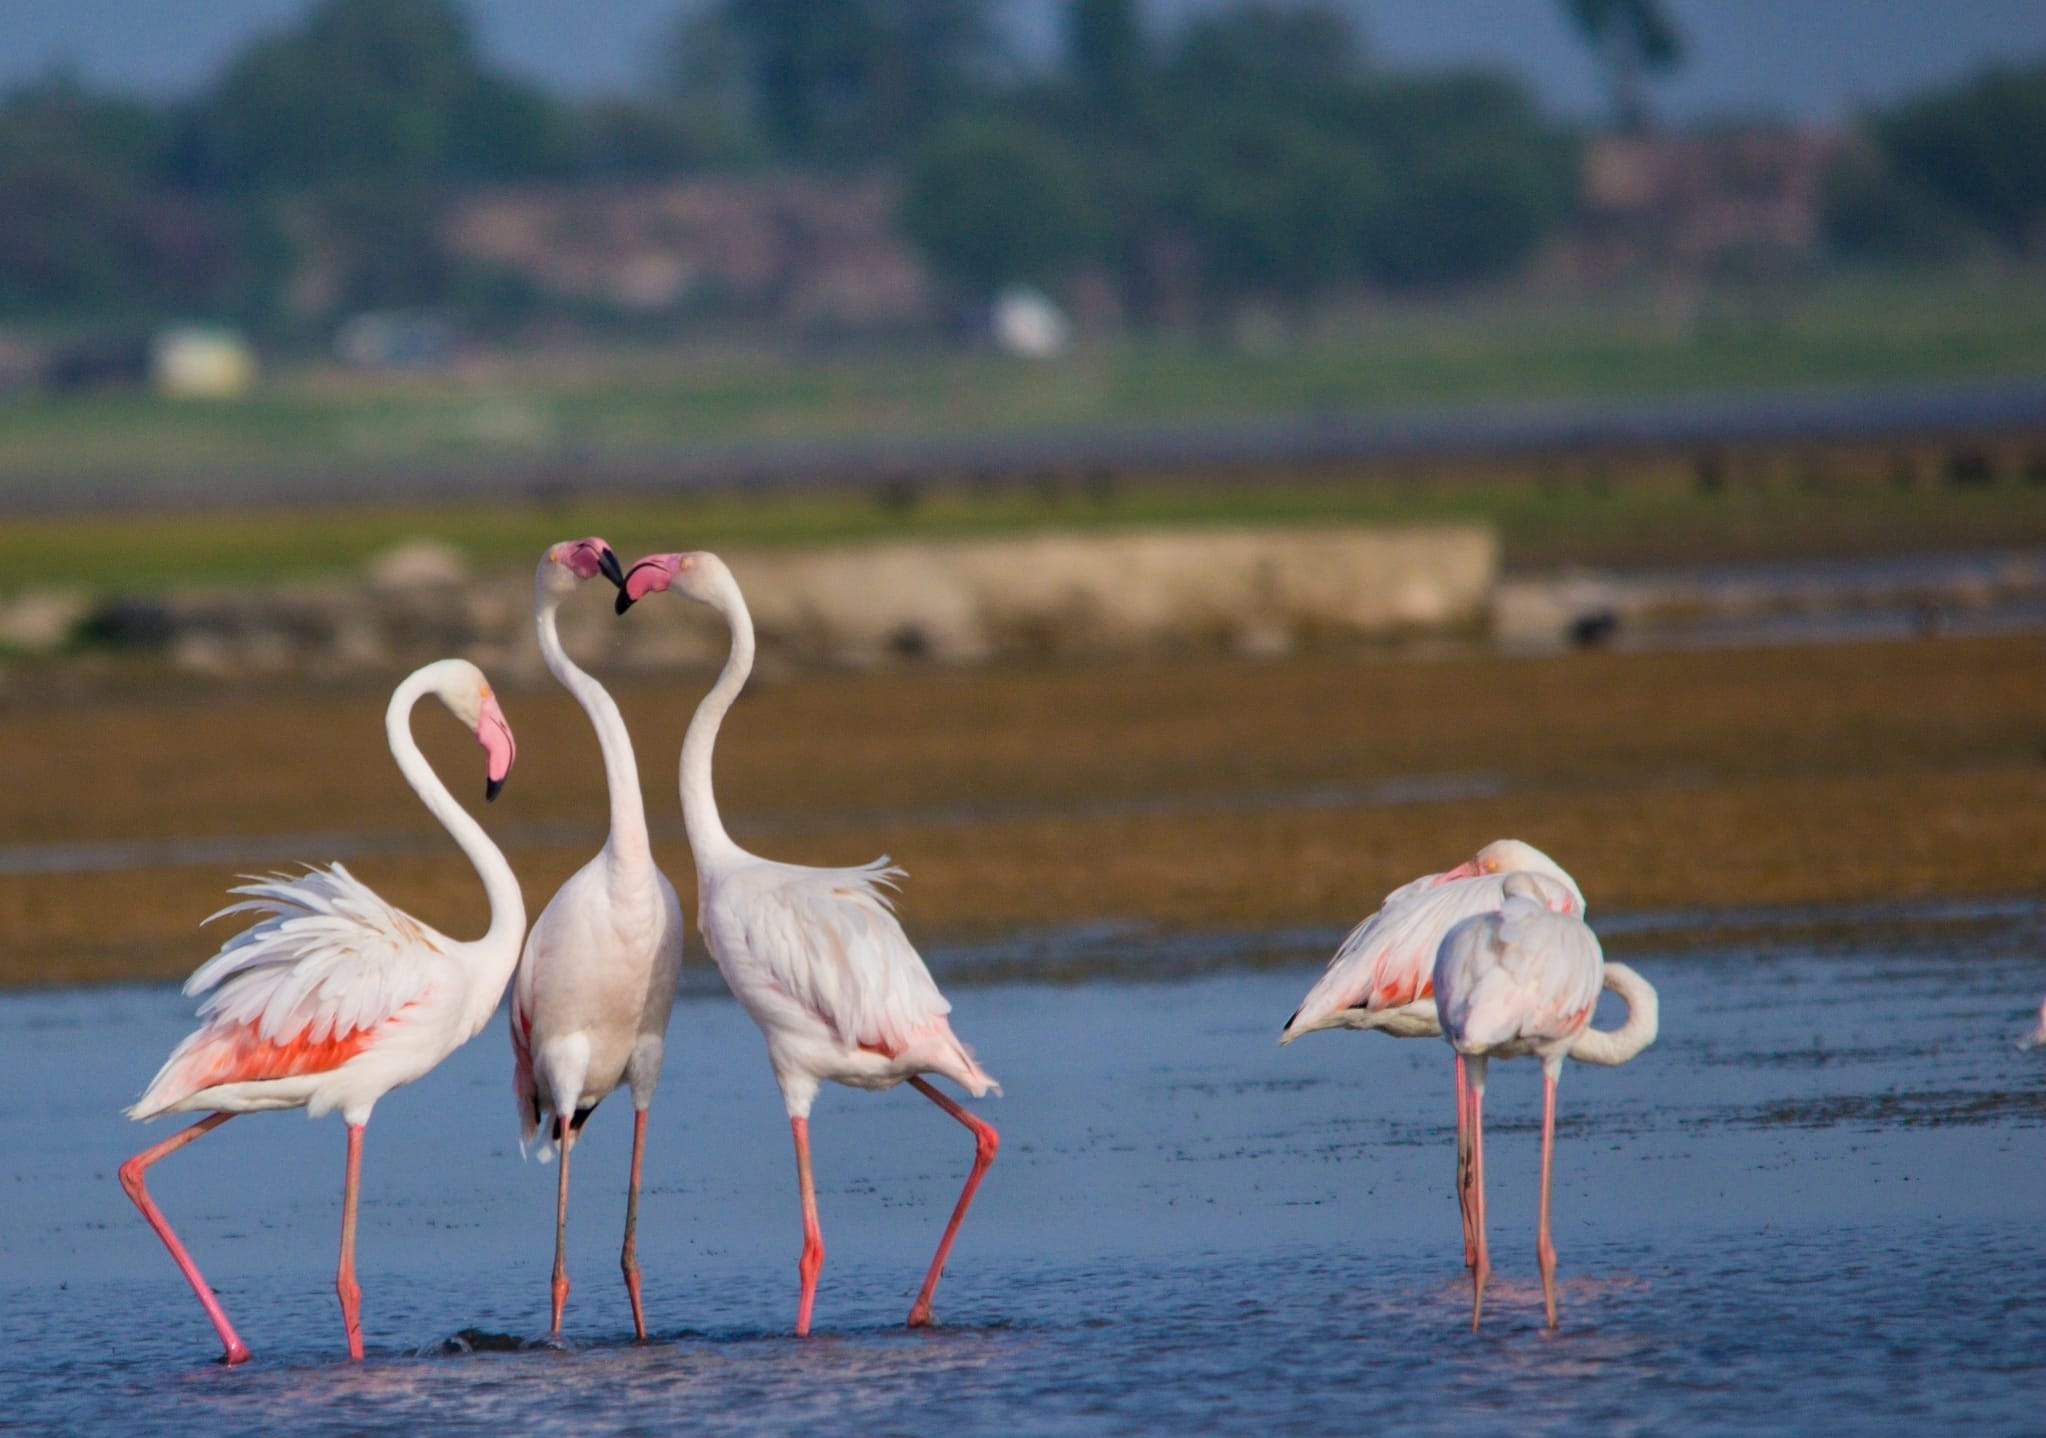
[198, 361]
[1025, 322]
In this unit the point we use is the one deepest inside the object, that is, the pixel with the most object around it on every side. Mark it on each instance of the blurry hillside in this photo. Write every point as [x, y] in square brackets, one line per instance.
[879, 169]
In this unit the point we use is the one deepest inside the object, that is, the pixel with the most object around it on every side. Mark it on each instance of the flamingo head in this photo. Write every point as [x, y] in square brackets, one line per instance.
[1541, 890]
[694, 575]
[469, 698]
[570, 562]
[1507, 856]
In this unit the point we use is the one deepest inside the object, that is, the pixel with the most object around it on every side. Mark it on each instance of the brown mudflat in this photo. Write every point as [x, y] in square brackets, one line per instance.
[1200, 792]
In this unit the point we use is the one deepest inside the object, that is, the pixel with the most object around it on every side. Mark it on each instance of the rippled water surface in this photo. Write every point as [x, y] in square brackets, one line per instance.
[1816, 1205]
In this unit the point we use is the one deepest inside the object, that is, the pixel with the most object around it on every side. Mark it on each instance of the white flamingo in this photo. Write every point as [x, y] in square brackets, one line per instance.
[1524, 981]
[1383, 973]
[816, 956]
[590, 1003]
[334, 998]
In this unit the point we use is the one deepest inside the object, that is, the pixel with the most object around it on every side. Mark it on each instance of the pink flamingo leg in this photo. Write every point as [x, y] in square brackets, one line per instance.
[1463, 1164]
[986, 1143]
[1481, 1270]
[131, 1183]
[1545, 1251]
[344, 1278]
[628, 1258]
[560, 1285]
[808, 1266]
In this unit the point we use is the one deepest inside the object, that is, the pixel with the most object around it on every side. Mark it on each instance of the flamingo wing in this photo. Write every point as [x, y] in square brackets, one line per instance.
[829, 939]
[1389, 959]
[303, 989]
[525, 1090]
[1524, 973]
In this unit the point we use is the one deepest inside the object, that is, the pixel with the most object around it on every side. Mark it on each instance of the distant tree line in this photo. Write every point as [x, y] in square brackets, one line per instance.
[1252, 153]
[1958, 171]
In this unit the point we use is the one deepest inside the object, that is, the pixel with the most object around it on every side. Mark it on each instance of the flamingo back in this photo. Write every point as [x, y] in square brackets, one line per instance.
[1524, 979]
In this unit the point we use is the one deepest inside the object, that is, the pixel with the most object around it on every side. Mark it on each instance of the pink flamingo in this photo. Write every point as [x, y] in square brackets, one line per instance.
[334, 997]
[1382, 974]
[1524, 981]
[816, 956]
[590, 1002]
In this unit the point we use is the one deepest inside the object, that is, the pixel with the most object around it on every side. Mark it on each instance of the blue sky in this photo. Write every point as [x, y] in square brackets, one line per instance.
[1806, 59]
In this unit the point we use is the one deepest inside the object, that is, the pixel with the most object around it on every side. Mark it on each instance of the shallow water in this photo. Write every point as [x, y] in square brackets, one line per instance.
[1814, 1205]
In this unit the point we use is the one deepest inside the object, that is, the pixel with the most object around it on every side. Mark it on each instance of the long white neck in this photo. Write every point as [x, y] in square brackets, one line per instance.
[501, 886]
[628, 845]
[1616, 1046]
[707, 837]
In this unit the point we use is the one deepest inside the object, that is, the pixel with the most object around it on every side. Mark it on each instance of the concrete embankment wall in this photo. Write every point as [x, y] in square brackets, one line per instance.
[1252, 589]
[1255, 590]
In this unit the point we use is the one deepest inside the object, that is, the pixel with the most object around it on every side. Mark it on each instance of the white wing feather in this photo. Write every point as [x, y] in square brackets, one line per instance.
[1388, 959]
[328, 957]
[829, 939]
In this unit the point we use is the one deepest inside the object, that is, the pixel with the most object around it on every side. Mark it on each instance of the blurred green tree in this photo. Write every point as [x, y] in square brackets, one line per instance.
[1475, 179]
[837, 82]
[1869, 212]
[994, 201]
[1634, 39]
[367, 90]
[1108, 57]
[1978, 147]
[1276, 206]
[85, 226]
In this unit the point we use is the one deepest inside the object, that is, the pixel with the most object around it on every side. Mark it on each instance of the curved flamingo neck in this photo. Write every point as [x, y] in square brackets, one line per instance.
[500, 886]
[628, 843]
[1616, 1046]
[707, 837]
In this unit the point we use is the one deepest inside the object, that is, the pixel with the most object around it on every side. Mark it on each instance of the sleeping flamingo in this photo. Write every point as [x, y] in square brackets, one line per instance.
[1524, 981]
[1382, 974]
[816, 956]
[590, 1003]
[334, 998]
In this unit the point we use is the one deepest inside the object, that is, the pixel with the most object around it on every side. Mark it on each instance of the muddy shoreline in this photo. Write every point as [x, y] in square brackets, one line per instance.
[1194, 793]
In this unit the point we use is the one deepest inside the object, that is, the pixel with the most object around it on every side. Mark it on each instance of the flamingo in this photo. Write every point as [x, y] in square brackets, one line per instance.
[1382, 974]
[1524, 981]
[816, 956]
[2037, 1036]
[334, 997]
[590, 1002]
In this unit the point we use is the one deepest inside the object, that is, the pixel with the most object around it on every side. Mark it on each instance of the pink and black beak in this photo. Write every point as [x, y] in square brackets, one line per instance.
[494, 733]
[587, 558]
[647, 576]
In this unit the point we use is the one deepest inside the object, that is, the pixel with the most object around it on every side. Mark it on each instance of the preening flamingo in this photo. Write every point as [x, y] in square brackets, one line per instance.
[334, 998]
[1383, 974]
[590, 1003]
[816, 956]
[1524, 981]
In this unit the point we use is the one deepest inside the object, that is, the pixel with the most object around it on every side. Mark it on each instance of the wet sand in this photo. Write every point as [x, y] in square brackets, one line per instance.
[1191, 794]
[1810, 1207]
